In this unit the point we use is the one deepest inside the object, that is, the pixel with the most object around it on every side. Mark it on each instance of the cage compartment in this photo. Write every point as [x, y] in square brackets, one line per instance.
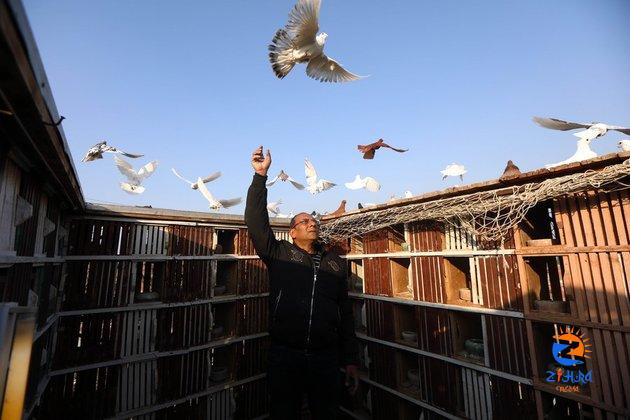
[408, 373]
[226, 278]
[461, 281]
[538, 228]
[226, 241]
[467, 336]
[224, 320]
[406, 324]
[402, 286]
[356, 277]
[222, 364]
[545, 283]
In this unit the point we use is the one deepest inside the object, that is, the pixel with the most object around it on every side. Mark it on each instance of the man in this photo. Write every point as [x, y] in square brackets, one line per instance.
[311, 323]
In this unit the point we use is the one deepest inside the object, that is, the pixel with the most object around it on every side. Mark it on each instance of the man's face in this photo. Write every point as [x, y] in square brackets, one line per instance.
[305, 228]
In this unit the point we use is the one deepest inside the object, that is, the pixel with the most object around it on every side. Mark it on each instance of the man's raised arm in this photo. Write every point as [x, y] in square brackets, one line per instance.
[256, 216]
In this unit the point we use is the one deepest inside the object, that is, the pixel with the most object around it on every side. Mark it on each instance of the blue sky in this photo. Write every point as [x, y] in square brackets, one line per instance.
[189, 83]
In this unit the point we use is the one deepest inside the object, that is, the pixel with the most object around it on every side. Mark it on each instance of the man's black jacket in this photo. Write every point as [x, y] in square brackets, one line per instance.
[329, 323]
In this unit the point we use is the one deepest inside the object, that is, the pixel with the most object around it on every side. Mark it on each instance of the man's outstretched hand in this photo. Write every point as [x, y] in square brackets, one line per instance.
[260, 162]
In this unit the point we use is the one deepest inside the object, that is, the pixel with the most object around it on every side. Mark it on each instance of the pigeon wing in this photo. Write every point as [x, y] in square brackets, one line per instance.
[211, 177]
[309, 171]
[623, 130]
[231, 202]
[295, 183]
[326, 185]
[122, 163]
[371, 184]
[273, 181]
[148, 169]
[393, 148]
[204, 191]
[127, 170]
[326, 69]
[356, 184]
[303, 22]
[369, 154]
[556, 124]
[181, 177]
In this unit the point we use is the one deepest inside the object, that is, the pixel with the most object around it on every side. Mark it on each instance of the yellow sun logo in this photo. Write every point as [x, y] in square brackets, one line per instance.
[575, 336]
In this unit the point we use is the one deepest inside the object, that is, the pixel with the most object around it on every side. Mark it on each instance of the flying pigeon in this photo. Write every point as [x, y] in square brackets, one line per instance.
[340, 210]
[408, 194]
[194, 185]
[282, 176]
[368, 183]
[624, 145]
[134, 178]
[454, 169]
[314, 185]
[96, 152]
[274, 209]
[369, 150]
[214, 203]
[299, 42]
[510, 171]
[593, 130]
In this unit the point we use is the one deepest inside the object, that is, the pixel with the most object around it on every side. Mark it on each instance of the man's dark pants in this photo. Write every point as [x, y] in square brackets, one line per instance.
[293, 372]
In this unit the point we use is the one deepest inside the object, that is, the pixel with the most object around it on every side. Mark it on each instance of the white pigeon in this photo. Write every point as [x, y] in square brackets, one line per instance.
[131, 189]
[454, 169]
[134, 178]
[282, 176]
[96, 152]
[315, 185]
[591, 132]
[194, 185]
[299, 42]
[367, 183]
[408, 194]
[583, 152]
[274, 207]
[624, 145]
[214, 203]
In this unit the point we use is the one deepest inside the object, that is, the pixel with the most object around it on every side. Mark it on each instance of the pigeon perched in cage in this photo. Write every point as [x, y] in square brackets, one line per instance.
[194, 185]
[134, 178]
[282, 176]
[299, 42]
[367, 183]
[454, 169]
[315, 185]
[214, 203]
[369, 150]
[624, 145]
[96, 152]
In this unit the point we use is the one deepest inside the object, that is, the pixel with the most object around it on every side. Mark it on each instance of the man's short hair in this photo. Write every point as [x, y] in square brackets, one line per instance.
[292, 222]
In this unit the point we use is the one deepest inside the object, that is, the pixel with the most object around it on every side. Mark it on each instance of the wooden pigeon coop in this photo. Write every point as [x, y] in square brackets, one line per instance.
[454, 325]
[458, 295]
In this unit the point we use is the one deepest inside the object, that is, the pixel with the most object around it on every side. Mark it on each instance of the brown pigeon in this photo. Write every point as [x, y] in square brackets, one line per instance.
[511, 171]
[340, 210]
[368, 150]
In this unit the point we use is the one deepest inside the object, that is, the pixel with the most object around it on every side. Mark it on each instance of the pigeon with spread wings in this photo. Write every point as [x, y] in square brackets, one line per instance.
[214, 203]
[194, 185]
[134, 178]
[315, 185]
[299, 42]
[96, 152]
[591, 130]
[369, 150]
[367, 183]
[282, 176]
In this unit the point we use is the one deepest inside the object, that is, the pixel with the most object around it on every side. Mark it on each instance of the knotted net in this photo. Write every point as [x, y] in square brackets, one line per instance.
[488, 214]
